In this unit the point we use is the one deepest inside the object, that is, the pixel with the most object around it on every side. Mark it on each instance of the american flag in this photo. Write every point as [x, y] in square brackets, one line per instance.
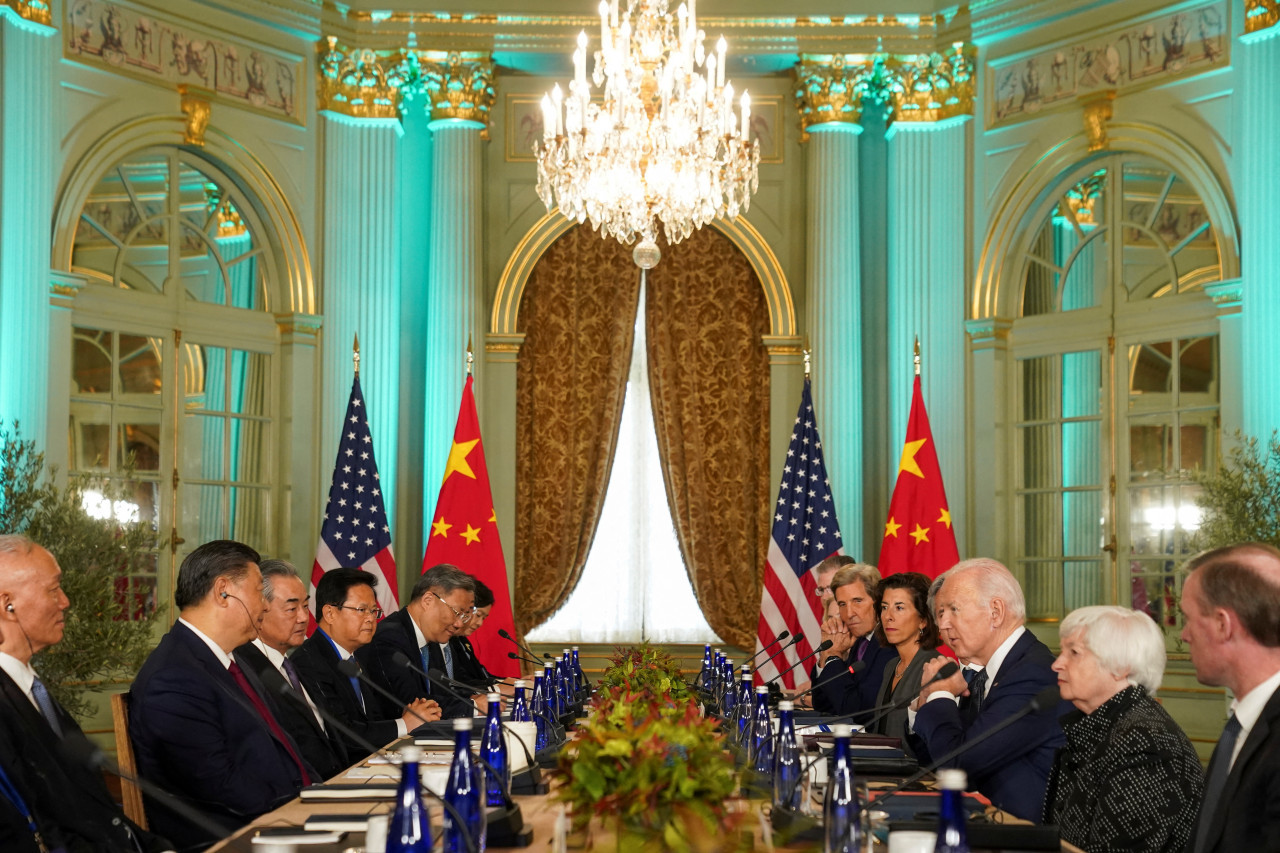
[805, 532]
[355, 532]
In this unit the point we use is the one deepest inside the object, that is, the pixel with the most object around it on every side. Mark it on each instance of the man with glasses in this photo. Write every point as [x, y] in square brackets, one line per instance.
[283, 629]
[441, 605]
[347, 613]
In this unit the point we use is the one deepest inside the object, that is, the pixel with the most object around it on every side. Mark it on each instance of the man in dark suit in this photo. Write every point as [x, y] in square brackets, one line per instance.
[440, 606]
[202, 726]
[67, 799]
[283, 629]
[852, 633]
[347, 610]
[466, 664]
[981, 610]
[1231, 608]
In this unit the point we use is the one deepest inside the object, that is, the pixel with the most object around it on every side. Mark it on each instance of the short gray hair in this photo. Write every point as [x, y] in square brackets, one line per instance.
[273, 568]
[991, 580]
[1127, 643]
[16, 543]
[845, 575]
[445, 578]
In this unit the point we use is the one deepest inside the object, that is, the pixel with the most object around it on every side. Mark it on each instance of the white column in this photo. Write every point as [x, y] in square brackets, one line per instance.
[834, 300]
[361, 264]
[926, 287]
[1257, 184]
[453, 292]
[27, 183]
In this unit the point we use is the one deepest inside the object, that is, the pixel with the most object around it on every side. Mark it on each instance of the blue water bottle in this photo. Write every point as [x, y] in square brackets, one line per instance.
[465, 793]
[704, 674]
[729, 699]
[519, 704]
[786, 760]
[580, 676]
[951, 816]
[552, 688]
[761, 730]
[540, 709]
[841, 821]
[493, 749]
[410, 829]
[743, 707]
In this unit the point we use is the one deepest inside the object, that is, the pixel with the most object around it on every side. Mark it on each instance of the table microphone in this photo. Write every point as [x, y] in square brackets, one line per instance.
[777, 639]
[822, 647]
[502, 632]
[273, 680]
[515, 656]
[351, 668]
[855, 668]
[797, 638]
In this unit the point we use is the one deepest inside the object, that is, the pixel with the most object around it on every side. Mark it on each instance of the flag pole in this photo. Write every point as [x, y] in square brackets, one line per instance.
[470, 357]
[917, 355]
[808, 353]
[355, 353]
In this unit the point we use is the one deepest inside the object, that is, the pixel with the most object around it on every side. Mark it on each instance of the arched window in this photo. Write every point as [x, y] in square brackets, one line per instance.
[1116, 384]
[172, 354]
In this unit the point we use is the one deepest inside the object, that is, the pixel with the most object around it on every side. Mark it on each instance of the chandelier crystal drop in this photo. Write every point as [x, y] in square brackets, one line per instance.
[664, 147]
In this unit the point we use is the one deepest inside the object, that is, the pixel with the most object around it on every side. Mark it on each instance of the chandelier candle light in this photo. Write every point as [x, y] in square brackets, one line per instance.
[665, 147]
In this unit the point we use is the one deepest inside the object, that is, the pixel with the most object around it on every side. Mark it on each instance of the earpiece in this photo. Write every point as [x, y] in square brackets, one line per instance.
[9, 608]
[224, 595]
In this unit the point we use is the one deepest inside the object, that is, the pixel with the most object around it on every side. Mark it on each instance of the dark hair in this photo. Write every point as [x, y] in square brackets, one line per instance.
[204, 565]
[336, 583]
[443, 577]
[1232, 578]
[484, 595]
[918, 585]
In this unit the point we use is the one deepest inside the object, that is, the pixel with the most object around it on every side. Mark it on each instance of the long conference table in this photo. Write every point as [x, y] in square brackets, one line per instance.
[540, 813]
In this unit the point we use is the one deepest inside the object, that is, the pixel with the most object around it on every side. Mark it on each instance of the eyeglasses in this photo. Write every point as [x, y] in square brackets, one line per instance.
[463, 616]
[365, 612]
[821, 590]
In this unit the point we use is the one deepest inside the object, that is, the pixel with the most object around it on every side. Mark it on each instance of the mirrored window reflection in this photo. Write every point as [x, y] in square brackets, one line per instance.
[166, 222]
[1069, 260]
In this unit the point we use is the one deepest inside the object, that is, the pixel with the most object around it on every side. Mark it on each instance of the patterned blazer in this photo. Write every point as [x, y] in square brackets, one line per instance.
[1127, 780]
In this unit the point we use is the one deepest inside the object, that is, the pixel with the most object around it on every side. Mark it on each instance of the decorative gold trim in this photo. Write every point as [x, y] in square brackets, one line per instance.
[780, 347]
[64, 287]
[1228, 296]
[986, 332]
[197, 107]
[503, 349]
[359, 82]
[35, 11]
[299, 328]
[935, 86]
[828, 89]
[458, 85]
[1097, 115]
[1260, 15]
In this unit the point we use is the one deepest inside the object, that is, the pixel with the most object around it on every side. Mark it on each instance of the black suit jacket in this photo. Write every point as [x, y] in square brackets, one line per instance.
[69, 798]
[851, 693]
[395, 634]
[317, 662]
[1248, 811]
[326, 754]
[15, 834]
[197, 736]
[467, 667]
[1012, 768]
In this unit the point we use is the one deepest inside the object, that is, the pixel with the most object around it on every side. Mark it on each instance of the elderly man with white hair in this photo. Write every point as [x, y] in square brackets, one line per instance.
[980, 611]
[1128, 778]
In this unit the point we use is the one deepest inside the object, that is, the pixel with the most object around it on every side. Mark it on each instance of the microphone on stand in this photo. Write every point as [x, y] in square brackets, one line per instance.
[502, 632]
[777, 639]
[515, 656]
[351, 669]
[822, 647]
[881, 711]
[855, 668]
[796, 639]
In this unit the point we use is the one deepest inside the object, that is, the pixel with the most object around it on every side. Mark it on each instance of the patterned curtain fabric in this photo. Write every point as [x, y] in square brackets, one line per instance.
[578, 312]
[709, 374]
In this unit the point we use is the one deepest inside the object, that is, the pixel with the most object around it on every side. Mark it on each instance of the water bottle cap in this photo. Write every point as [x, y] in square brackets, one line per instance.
[522, 683]
[784, 705]
[952, 780]
[494, 697]
[575, 648]
[462, 724]
[762, 689]
[410, 754]
[842, 730]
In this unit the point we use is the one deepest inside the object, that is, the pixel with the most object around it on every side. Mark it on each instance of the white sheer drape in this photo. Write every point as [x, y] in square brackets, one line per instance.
[634, 586]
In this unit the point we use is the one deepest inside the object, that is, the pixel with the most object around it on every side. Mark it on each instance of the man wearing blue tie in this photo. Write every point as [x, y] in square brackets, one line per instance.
[346, 614]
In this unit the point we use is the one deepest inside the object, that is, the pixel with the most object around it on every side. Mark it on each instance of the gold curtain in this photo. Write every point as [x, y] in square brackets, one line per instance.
[709, 376]
[578, 311]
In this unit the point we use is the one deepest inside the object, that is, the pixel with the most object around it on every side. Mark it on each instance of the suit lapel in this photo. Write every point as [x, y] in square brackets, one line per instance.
[1016, 653]
[341, 683]
[1257, 736]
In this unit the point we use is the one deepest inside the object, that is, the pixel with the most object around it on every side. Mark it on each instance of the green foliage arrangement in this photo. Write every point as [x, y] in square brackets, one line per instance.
[1241, 500]
[107, 634]
[645, 668]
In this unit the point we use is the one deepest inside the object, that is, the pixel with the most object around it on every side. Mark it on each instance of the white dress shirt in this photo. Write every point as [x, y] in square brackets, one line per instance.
[992, 669]
[1248, 708]
[277, 660]
[21, 673]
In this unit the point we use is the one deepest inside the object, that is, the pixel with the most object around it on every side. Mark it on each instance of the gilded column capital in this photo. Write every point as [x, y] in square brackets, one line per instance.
[35, 11]
[453, 85]
[932, 86]
[1260, 15]
[829, 89]
[361, 83]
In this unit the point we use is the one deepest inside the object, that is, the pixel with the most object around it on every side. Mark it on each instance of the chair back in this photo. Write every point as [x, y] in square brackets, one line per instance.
[130, 794]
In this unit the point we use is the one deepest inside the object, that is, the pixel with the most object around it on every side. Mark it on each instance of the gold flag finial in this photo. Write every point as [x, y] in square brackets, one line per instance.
[355, 352]
[916, 359]
[807, 361]
[470, 356]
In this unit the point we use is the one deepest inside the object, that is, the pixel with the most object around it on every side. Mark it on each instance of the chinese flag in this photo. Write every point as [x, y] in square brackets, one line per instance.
[465, 533]
[918, 536]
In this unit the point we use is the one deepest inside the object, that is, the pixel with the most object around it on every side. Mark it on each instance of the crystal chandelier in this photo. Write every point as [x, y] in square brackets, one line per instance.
[665, 146]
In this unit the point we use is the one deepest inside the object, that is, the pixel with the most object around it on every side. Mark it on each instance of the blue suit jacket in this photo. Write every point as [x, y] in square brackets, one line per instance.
[1012, 768]
[850, 693]
[196, 735]
[395, 634]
